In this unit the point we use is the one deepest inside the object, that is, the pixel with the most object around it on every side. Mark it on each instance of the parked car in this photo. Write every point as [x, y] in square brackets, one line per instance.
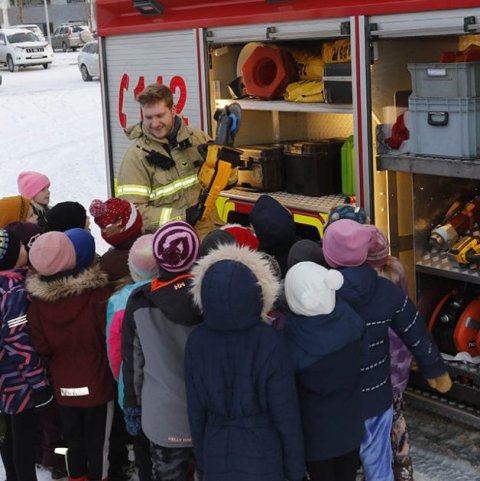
[70, 37]
[88, 62]
[33, 27]
[21, 48]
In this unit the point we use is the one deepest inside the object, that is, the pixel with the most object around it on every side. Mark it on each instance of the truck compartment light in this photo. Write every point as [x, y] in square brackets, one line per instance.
[148, 7]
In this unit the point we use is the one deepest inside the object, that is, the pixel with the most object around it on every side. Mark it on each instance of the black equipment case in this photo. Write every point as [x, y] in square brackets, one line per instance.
[261, 167]
[337, 83]
[313, 168]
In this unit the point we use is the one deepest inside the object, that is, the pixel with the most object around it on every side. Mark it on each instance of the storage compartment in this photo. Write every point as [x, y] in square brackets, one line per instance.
[261, 167]
[445, 127]
[445, 80]
[337, 83]
[313, 168]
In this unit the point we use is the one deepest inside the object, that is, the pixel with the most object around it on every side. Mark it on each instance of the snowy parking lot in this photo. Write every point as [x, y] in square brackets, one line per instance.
[51, 122]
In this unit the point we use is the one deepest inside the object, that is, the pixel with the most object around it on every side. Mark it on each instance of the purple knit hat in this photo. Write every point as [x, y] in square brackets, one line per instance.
[345, 243]
[377, 247]
[176, 246]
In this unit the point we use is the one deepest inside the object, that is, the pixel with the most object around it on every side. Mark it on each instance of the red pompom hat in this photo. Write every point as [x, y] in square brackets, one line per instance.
[114, 211]
[243, 236]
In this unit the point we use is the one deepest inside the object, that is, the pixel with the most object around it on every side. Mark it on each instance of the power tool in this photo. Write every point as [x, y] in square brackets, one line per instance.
[459, 218]
[465, 251]
[218, 169]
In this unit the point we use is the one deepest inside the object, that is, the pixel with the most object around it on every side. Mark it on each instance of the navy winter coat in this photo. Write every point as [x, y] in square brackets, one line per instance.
[242, 401]
[381, 305]
[327, 351]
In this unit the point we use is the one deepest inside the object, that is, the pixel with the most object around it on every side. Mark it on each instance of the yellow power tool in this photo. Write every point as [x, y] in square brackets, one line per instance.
[466, 251]
[221, 160]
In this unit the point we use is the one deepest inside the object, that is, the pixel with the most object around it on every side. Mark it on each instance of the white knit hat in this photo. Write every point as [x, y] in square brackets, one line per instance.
[310, 288]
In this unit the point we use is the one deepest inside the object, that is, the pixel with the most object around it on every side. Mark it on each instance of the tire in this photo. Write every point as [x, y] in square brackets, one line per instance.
[64, 47]
[85, 75]
[45, 65]
[11, 65]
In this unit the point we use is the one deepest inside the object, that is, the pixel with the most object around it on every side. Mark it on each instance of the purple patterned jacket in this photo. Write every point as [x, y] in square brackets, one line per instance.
[21, 371]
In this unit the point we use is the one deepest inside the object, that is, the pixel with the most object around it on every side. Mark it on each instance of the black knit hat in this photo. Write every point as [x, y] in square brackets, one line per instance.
[215, 239]
[9, 249]
[66, 215]
[306, 250]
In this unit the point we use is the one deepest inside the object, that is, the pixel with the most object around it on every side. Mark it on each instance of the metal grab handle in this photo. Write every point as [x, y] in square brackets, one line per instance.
[438, 123]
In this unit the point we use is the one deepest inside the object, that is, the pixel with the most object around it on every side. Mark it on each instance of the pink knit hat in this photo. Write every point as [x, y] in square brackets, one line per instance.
[31, 183]
[345, 243]
[141, 262]
[51, 253]
[377, 247]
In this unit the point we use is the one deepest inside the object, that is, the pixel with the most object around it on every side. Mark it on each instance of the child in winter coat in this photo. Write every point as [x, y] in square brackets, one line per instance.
[67, 314]
[400, 358]
[242, 400]
[24, 385]
[143, 268]
[121, 224]
[158, 320]
[381, 305]
[16, 209]
[275, 229]
[36, 187]
[326, 338]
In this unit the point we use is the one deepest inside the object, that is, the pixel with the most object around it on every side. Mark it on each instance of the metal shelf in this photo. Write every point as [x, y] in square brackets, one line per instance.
[284, 106]
[443, 406]
[437, 263]
[293, 201]
[416, 164]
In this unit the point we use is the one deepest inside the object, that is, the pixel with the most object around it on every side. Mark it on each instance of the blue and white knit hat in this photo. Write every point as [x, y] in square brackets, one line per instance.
[176, 246]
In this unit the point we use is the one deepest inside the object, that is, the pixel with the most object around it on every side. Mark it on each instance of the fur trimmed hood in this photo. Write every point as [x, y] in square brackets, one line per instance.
[68, 286]
[235, 287]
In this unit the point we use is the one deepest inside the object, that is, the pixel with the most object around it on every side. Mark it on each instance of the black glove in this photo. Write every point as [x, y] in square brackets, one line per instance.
[42, 397]
[193, 214]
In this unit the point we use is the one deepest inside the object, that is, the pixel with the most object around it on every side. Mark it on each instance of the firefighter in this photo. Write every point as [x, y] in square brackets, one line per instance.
[159, 170]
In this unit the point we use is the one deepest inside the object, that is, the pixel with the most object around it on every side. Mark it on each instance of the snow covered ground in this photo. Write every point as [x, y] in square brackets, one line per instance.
[51, 122]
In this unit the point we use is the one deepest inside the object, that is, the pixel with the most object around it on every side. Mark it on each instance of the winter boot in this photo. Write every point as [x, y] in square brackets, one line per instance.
[403, 471]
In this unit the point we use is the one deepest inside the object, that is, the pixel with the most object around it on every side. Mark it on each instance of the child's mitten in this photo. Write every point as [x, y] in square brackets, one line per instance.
[133, 420]
[441, 383]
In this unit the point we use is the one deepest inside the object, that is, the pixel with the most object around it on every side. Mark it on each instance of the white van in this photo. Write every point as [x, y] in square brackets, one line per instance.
[21, 48]
[33, 27]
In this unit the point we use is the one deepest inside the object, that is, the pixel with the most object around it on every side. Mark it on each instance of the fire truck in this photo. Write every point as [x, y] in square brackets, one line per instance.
[198, 48]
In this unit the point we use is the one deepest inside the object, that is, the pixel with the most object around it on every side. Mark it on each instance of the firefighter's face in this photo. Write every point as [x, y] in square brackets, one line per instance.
[158, 119]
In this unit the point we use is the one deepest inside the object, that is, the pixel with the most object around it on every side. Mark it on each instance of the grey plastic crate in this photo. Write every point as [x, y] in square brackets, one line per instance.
[445, 80]
[445, 127]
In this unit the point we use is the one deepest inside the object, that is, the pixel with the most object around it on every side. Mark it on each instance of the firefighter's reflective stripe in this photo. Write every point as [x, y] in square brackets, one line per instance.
[132, 189]
[170, 189]
[159, 192]
[165, 215]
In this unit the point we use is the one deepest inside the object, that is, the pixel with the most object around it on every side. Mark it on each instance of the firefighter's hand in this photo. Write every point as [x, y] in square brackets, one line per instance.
[193, 214]
[441, 383]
